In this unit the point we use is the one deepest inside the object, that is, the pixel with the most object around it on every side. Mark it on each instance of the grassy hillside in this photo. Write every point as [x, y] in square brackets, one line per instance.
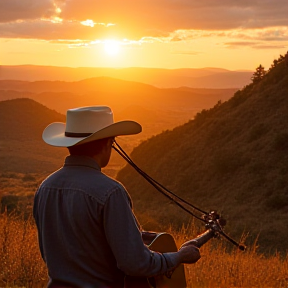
[21, 146]
[232, 158]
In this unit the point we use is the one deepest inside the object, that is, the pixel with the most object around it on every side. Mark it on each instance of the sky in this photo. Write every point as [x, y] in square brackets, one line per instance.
[230, 34]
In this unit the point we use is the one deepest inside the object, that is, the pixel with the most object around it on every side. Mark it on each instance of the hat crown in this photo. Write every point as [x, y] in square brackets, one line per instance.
[87, 124]
[88, 119]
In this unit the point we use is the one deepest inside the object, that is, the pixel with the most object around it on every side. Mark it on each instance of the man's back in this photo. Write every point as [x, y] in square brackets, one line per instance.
[71, 232]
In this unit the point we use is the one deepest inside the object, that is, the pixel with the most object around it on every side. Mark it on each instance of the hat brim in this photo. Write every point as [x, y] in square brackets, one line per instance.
[54, 134]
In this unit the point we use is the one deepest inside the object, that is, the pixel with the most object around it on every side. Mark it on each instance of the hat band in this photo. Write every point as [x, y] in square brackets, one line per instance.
[72, 134]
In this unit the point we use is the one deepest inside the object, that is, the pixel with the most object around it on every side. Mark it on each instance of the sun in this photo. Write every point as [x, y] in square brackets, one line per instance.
[111, 47]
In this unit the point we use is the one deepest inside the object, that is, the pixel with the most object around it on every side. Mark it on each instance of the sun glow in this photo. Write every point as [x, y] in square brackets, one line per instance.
[112, 47]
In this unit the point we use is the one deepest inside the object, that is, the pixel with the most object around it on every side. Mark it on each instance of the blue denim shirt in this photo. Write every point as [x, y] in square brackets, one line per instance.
[88, 234]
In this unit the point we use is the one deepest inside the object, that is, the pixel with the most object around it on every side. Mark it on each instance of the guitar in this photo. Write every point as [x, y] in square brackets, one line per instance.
[164, 242]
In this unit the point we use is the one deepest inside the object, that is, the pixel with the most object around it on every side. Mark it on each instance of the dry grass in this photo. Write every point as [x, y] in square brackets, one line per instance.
[20, 260]
[21, 264]
[219, 268]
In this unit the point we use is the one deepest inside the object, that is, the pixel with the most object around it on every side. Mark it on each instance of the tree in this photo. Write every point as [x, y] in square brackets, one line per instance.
[258, 74]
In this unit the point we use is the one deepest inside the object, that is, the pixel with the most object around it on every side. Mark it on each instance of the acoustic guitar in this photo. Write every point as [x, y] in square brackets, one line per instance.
[164, 242]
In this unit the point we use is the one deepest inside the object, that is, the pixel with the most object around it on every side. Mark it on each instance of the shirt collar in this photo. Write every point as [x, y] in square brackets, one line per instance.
[77, 160]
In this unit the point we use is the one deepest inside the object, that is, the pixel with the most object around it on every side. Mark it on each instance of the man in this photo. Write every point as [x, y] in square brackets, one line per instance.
[88, 234]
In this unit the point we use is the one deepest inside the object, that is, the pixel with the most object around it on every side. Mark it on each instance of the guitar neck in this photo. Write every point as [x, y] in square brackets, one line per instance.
[202, 238]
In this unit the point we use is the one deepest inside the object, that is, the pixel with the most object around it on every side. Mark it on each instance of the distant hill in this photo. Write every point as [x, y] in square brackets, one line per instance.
[232, 158]
[156, 109]
[21, 146]
[163, 78]
[170, 107]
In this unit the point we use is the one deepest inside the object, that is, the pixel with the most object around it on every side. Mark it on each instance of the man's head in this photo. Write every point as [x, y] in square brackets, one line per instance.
[87, 124]
[100, 150]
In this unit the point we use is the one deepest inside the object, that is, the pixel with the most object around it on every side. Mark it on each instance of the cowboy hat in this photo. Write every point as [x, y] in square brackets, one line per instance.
[86, 124]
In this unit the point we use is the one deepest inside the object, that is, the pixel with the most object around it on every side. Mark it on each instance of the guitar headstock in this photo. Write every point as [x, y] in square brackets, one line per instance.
[214, 222]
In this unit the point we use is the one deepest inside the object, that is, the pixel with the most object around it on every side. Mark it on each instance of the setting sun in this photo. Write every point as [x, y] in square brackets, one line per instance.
[111, 47]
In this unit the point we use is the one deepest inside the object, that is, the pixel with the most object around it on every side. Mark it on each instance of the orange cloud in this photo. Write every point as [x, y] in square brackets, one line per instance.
[136, 19]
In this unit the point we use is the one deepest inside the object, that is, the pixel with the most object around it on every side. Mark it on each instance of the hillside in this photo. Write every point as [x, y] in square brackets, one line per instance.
[165, 78]
[232, 158]
[21, 146]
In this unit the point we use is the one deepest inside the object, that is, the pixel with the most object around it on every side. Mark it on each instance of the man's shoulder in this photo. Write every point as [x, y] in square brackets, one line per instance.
[113, 188]
[112, 184]
[92, 183]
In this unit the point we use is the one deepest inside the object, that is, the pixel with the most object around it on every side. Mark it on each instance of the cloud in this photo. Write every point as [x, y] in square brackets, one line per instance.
[53, 30]
[15, 10]
[270, 46]
[152, 16]
[137, 19]
[254, 45]
[265, 34]
[91, 23]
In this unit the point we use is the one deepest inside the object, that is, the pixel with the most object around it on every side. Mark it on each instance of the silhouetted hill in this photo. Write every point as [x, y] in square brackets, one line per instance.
[156, 109]
[170, 107]
[232, 158]
[21, 146]
[114, 92]
[166, 78]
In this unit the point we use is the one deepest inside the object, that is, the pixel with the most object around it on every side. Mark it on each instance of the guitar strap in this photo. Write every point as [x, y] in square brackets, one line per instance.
[167, 193]
[182, 203]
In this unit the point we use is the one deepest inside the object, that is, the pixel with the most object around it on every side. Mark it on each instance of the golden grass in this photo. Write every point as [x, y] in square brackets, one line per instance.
[219, 268]
[20, 260]
[21, 264]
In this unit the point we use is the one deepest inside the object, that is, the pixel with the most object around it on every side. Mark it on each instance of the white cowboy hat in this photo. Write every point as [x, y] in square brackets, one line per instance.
[86, 124]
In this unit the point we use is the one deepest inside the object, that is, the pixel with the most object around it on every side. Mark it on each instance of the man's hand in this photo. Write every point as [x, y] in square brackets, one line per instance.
[188, 253]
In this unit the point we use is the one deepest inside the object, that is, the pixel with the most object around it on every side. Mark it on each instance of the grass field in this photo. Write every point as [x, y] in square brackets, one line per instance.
[21, 264]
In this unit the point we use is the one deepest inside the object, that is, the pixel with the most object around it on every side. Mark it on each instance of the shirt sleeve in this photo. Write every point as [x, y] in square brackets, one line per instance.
[124, 237]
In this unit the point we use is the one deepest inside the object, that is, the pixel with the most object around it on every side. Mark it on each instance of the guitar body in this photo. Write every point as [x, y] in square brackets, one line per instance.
[162, 242]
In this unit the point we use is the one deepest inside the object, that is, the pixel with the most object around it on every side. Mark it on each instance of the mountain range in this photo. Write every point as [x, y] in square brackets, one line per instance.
[24, 113]
[163, 78]
[157, 109]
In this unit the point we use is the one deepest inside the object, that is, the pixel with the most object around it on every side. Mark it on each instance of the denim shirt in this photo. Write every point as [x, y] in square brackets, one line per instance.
[88, 235]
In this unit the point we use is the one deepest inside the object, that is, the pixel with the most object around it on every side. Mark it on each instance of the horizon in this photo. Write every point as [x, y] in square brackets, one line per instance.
[128, 67]
[178, 35]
